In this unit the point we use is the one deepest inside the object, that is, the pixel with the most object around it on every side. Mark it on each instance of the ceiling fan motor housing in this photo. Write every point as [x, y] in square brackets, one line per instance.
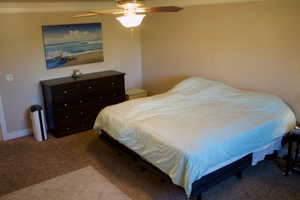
[124, 3]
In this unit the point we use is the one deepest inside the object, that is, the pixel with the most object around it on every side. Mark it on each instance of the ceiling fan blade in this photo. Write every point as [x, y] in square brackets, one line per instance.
[109, 12]
[101, 12]
[159, 9]
[86, 15]
[140, 10]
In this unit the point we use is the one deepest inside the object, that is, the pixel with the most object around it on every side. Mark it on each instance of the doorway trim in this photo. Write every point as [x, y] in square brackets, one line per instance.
[3, 122]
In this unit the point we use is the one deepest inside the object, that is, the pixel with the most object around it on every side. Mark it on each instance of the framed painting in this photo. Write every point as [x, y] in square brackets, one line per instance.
[73, 44]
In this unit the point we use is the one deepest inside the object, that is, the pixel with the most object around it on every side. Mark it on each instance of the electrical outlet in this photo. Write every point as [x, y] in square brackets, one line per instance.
[9, 77]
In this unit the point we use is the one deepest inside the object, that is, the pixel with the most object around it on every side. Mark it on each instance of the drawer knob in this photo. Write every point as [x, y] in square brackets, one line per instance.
[66, 105]
[90, 87]
[67, 117]
[80, 101]
[113, 83]
[66, 92]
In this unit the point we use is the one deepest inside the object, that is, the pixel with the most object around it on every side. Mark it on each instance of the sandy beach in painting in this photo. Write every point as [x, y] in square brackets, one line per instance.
[86, 58]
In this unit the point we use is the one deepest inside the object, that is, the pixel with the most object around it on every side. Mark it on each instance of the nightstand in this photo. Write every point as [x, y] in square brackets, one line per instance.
[291, 161]
[135, 93]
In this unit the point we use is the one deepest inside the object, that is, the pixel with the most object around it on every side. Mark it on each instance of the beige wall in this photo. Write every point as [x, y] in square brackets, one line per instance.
[22, 54]
[247, 45]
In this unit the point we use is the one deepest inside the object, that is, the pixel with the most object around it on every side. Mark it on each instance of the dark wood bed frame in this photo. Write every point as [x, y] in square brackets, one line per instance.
[199, 186]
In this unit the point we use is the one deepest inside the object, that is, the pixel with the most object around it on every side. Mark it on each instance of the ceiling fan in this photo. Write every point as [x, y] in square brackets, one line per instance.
[130, 12]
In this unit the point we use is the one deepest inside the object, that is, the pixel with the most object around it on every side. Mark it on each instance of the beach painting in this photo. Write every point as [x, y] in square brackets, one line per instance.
[74, 44]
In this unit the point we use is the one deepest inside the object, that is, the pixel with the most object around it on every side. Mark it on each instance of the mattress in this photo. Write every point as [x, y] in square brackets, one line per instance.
[197, 127]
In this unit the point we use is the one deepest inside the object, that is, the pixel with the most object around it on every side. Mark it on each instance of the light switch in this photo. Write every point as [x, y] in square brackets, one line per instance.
[9, 77]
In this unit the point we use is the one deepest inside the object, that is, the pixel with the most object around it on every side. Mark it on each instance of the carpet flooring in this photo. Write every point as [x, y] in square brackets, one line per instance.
[24, 162]
[83, 184]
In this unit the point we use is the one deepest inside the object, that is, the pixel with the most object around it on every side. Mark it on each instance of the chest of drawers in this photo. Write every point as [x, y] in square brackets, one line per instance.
[72, 105]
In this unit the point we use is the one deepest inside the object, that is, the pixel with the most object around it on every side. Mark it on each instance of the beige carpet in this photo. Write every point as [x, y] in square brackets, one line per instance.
[25, 162]
[83, 184]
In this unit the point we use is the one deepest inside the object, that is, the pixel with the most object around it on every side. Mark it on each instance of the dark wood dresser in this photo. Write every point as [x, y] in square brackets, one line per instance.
[72, 105]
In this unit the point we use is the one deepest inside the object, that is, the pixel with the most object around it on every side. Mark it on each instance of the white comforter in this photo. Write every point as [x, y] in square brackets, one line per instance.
[196, 126]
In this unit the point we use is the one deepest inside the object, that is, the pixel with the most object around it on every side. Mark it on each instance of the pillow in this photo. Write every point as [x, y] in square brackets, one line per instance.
[194, 84]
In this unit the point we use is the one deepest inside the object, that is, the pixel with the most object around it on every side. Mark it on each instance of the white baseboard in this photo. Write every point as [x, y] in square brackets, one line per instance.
[17, 134]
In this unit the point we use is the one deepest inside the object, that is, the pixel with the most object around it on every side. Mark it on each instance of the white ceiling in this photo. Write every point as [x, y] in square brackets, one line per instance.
[15, 6]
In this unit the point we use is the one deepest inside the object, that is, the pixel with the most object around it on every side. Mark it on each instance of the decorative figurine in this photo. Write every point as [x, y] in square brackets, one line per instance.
[76, 73]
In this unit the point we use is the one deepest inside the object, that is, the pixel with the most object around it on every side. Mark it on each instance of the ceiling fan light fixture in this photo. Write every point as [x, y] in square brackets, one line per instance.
[131, 6]
[131, 20]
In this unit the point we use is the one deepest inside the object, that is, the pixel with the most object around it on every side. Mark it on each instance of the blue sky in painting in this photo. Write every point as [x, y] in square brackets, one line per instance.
[71, 33]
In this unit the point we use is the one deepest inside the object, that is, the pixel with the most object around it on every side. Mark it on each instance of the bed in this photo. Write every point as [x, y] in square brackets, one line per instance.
[199, 130]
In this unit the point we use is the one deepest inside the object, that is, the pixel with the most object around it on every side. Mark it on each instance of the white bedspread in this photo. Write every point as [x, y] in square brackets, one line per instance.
[196, 126]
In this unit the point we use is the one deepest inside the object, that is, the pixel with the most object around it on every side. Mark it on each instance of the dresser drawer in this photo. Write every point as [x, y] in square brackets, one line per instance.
[83, 113]
[116, 82]
[115, 93]
[80, 91]
[67, 105]
[64, 90]
[72, 126]
[72, 103]
[110, 83]
[64, 131]
[66, 115]
[87, 87]
[103, 100]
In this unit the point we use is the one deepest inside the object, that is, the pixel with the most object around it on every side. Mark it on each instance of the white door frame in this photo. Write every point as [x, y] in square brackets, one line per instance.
[3, 122]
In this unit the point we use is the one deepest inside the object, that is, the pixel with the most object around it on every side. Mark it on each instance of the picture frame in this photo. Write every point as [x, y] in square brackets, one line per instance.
[72, 44]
